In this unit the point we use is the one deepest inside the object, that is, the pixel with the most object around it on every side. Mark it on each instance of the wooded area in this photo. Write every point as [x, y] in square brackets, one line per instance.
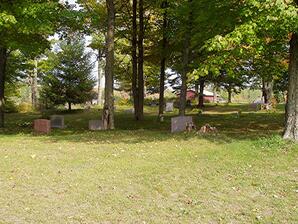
[231, 44]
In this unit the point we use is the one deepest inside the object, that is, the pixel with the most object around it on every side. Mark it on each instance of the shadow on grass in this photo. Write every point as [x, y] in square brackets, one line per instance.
[249, 126]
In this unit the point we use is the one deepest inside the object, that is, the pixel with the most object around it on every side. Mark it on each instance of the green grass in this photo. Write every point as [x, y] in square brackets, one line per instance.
[141, 173]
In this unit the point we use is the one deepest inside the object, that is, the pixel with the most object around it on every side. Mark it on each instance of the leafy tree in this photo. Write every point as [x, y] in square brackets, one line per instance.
[68, 79]
[25, 26]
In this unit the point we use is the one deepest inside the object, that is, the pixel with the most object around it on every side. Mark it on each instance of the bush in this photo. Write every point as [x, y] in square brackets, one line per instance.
[25, 108]
[10, 107]
[123, 102]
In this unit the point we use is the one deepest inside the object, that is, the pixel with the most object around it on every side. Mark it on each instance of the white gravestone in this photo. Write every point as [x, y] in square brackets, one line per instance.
[95, 125]
[179, 124]
[57, 121]
[169, 107]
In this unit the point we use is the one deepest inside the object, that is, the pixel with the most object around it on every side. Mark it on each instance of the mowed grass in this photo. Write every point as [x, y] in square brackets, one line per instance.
[141, 173]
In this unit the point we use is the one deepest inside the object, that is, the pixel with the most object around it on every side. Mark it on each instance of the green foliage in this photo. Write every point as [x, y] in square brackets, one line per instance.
[25, 107]
[68, 76]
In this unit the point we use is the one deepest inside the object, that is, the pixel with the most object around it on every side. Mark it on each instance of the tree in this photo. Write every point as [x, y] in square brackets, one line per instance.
[186, 55]
[69, 78]
[291, 128]
[25, 26]
[163, 59]
[108, 110]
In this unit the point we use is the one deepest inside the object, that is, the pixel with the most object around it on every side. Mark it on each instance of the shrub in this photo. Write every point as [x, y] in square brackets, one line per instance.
[10, 107]
[25, 108]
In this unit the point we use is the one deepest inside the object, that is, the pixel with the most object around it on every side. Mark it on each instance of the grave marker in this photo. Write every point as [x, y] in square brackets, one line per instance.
[169, 107]
[179, 124]
[57, 121]
[95, 125]
[42, 126]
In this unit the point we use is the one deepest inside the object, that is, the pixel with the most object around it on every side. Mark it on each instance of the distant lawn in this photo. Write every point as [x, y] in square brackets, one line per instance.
[141, 173]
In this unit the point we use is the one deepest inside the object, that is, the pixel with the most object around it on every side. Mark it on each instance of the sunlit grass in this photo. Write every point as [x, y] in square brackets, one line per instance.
[141, 173]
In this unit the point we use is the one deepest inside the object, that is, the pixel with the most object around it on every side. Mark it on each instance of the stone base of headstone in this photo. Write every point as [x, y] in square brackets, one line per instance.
[57, 121]
[180, 124]
[95, 125]
[42, 126]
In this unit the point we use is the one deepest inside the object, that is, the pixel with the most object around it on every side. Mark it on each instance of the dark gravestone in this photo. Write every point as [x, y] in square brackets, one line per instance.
[57, 121]
[179, 124]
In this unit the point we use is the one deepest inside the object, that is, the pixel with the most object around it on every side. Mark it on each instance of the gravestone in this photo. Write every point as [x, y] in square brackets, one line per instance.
[57, 121]
[95, 125]
[130, 111]
[179, 124]
[169, 107]
[42, 126]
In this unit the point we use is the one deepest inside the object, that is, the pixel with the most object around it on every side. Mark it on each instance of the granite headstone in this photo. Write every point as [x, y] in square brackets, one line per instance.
[179, 124]
[57, 121]
[42, 126]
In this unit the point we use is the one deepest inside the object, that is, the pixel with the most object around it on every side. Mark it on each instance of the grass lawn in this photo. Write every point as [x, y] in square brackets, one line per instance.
[141, 173]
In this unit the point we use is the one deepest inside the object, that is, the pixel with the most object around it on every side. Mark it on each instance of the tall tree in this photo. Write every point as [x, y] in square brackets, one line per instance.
[134, 47]
[69, 78]
[25, 25]
[108, 110]
[163, 58]
[291, 127]
[140, 111]
[186, 54]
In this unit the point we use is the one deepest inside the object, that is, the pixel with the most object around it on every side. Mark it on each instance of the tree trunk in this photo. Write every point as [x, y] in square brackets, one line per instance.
[291, 125]
[229, 95]
[201, 94]
[34, 86]
[99, 78]
[134, 58]
[267, 90]
[69, 106]
[186, 51]
[163, 61]
[3, 60]
[140, 111]
[108, 110]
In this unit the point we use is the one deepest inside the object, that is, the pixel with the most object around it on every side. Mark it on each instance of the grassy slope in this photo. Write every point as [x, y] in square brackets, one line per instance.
[140, 173]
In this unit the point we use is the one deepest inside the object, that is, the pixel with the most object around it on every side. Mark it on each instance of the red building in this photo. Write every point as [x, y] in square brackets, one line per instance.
[208, 96]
